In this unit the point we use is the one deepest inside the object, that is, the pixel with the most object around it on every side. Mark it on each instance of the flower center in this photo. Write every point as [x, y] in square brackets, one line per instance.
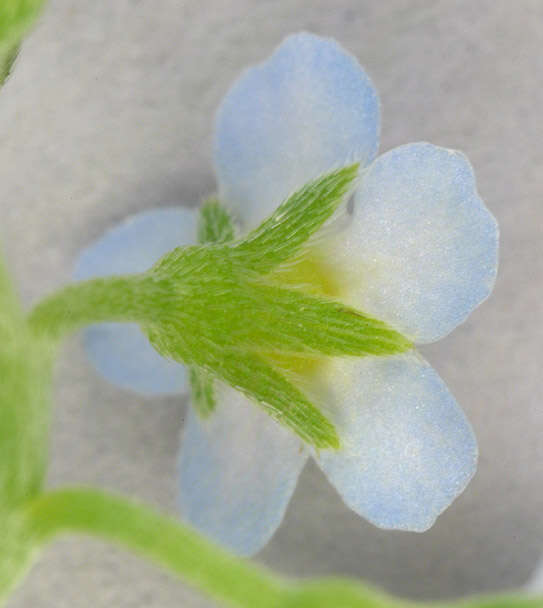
[311, 274]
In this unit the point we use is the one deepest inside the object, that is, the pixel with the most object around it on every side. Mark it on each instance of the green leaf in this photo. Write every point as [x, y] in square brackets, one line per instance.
[280, 236]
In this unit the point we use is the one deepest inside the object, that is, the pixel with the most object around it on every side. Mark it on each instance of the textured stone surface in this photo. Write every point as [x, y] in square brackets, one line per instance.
[109, 111]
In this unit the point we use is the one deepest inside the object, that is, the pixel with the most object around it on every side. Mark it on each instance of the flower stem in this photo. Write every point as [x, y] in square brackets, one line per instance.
[230, 580]
[157, 537]
[123, 298]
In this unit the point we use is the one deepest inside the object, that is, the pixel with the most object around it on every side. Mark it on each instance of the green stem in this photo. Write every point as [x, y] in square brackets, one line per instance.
[125, 298]
[207, 567]
[157, 537]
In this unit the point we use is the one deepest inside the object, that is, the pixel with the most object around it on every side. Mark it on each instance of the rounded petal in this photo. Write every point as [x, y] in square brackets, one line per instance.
[124, 356]
[306, 110]
[120, 351]
[137, 243]
[407, 450]
[238, 469]
[422, 249]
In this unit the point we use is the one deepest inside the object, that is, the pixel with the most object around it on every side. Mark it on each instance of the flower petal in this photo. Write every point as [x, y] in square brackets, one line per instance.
[306, 110]
[120, 351]
[407, 448]
[422, 250]
[238, 469]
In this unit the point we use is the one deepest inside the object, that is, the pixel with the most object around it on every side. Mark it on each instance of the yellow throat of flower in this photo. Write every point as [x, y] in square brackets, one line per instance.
[311, 274]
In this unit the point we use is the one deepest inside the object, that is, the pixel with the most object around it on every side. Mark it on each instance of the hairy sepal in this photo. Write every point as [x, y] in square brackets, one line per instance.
[282, 235]
[16, 16]
[214, 226]
[223, 319]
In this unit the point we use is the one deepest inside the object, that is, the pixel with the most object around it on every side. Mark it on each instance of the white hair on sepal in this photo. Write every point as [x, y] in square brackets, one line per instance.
[335, 225]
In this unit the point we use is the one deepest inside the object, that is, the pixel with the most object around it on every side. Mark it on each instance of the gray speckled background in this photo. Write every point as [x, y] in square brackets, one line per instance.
[109, 111]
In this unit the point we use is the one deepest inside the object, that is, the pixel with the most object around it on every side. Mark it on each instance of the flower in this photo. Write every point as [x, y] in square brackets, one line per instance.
[418, 251]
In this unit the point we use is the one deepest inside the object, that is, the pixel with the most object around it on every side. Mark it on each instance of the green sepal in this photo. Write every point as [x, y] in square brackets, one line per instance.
[214, 224]
[253, 376]
[229, 310]
[226, 303]
[16, 16]
[233, 325]
[7, 59]
[281, 236]
[275, 318]
[237, 330]
[202, 391]
[235, 319]
[279, 398]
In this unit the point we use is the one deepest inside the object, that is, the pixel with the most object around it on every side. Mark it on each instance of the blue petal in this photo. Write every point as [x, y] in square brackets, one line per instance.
[137, 243]
[120, 351]
[422, 249]
[306, 110]
[238, 469]
[407, 449]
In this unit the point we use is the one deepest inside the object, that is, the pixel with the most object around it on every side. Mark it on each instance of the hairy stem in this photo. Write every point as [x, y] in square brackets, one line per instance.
[157, 537]
[125, 298]
[231, 580]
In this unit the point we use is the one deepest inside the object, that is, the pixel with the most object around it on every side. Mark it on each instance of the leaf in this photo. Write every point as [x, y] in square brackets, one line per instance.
[280, 236]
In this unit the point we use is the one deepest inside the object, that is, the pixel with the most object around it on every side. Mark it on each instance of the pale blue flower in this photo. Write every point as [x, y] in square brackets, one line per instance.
[419, 251]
